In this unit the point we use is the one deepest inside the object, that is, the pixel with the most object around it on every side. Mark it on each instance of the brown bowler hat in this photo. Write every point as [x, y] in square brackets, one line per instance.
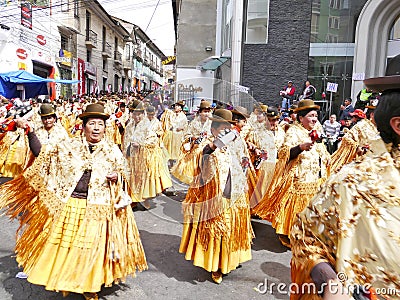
[222, 115]
[46, 110]
[180, 103]
[151, 110]
[263, 108]
[136, 106]
[241, 111]
[380, 84]
[204, 104]
[94, 110]
[306, 104]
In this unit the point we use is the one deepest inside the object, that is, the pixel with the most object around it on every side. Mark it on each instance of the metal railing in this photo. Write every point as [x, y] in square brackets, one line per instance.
[91, 36]
[117, 56]
[107, 49]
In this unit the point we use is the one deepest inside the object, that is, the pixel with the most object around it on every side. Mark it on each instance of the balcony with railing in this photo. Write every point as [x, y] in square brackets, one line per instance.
[91, 39]
[107, 50]
[117, 57]
[127, 63]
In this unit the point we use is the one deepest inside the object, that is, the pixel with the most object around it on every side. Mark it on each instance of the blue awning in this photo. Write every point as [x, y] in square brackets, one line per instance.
[34, 85]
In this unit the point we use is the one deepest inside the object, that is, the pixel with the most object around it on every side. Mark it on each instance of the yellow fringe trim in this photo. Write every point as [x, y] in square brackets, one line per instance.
[346, 153]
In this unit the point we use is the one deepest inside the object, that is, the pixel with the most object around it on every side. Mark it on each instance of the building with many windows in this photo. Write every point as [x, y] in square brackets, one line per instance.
[261, 44]
[71, 39]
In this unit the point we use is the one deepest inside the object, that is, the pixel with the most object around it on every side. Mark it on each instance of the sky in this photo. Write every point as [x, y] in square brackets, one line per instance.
[159, 28]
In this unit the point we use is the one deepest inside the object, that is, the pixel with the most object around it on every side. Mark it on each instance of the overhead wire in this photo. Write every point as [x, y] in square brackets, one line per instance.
[37, 8]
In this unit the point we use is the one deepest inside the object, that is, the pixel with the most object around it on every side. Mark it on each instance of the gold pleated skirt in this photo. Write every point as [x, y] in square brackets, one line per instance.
[172, 141]
[222, 252]
[292, 203]
[14, 159]
[81, 250]
[158, 178]
[187, 166]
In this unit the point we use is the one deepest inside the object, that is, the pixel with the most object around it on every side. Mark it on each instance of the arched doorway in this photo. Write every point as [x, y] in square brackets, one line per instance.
[373, 31]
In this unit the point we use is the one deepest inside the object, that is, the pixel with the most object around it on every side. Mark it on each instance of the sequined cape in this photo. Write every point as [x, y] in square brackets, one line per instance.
[353, 223]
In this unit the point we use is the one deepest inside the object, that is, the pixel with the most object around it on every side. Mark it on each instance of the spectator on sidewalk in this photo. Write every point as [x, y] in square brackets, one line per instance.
[332, 130]
[346, 109]
[308, 91]
[287, 95]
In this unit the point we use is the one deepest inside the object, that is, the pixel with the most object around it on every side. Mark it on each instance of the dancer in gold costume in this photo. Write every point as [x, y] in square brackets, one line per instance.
[350, 230]
[303, 165]
[217, 231]
[77, 230]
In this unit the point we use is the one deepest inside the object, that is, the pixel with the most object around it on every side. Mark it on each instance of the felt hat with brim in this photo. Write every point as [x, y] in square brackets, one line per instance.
[292, 108]
[94, 110]
[204, 104]
[273, 113]
[180, 103]
[150, 110]
[222, 115]
[380, 84]
[240, 111]
[136, 106]
[358, 113]
[263, 108]
[306, 104]
[46, 110]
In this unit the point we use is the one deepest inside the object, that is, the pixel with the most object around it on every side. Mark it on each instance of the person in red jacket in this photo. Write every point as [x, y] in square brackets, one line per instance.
[287, 95]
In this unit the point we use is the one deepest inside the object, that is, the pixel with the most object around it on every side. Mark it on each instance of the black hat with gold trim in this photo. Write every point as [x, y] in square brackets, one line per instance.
[46, 110]
[273, 113]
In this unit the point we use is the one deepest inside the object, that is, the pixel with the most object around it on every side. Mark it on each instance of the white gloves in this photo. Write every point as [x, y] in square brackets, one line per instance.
[123, 202]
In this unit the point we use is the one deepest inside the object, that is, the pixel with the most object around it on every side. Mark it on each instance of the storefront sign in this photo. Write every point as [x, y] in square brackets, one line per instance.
[358, 76]
[65, 58]
[41, 40]
[190, 88]
[21, 66]
[169, 60]
[91, 69]
[26, 14]
[21, 53]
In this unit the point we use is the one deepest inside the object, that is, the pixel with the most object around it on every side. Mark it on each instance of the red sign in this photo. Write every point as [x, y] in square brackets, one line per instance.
[21, 53]
[26, 14]
[81, 76]
[41, 40]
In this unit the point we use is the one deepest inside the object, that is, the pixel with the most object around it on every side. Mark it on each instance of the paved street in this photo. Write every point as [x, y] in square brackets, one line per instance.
[169, 275]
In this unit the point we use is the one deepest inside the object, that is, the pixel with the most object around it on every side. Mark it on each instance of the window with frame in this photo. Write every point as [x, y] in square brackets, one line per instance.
[331, 38]
[105, 64]
[88, 55]
[127, 51]
[64, 42]
[257, 21]
[333, 22]
[64, 5]
[76, 8]
[335, 4]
